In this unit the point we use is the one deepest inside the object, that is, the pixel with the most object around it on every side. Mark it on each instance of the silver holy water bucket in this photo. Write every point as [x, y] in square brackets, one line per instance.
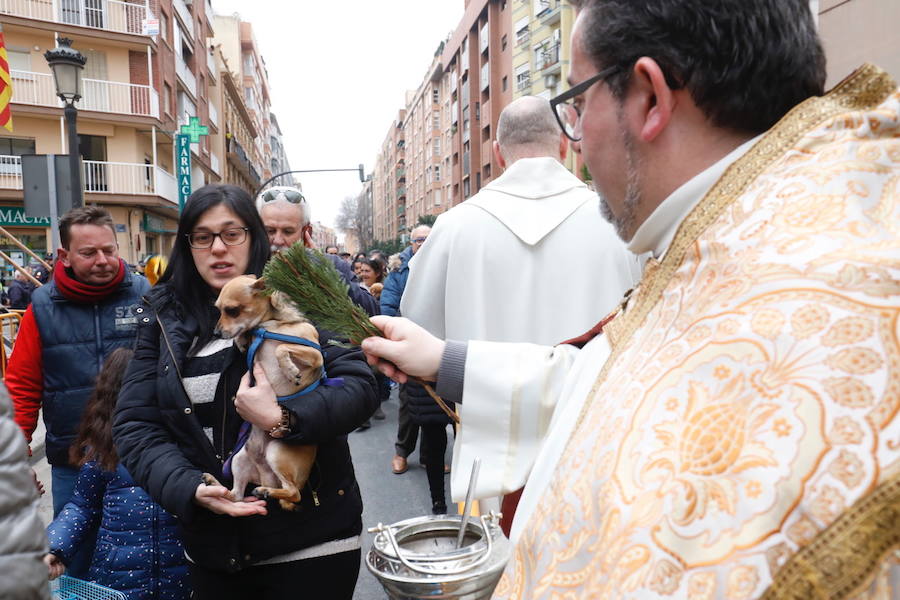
[418, 558]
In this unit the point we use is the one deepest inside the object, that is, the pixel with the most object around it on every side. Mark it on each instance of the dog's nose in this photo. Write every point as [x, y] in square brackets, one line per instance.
[217, 332]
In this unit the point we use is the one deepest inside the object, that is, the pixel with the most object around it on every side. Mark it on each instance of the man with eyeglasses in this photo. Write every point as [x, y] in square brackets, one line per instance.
[733, 431]
[72, 324]
[286, 216]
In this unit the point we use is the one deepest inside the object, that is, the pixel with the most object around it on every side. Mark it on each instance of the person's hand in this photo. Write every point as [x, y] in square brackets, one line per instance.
[37, 483]
[215, 498]
[257, 404]
[55, 567]
[407, 350]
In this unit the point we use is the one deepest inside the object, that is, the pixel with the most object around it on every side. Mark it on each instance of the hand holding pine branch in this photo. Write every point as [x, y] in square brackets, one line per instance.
[315, 286]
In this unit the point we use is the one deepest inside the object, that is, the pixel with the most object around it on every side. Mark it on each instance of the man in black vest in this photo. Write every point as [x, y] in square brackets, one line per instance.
[73, 323]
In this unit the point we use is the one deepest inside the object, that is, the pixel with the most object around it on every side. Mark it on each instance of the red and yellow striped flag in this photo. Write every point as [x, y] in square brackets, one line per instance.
[5, 86]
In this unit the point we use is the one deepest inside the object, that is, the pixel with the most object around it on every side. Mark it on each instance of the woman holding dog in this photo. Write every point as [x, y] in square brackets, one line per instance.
[182, 404]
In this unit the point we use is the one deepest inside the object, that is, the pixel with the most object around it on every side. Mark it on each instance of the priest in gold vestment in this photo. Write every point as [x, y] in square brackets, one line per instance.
[734, 431]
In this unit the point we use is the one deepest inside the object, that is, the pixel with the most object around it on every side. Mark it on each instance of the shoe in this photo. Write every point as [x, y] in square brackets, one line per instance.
[364, 426]
[399, 465]
[439, 507]
[379, 414]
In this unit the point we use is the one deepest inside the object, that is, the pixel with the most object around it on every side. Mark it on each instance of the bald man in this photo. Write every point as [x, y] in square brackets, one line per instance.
[527, 259]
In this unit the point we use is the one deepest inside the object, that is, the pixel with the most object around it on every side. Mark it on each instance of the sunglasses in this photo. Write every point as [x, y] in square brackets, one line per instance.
[273, 194]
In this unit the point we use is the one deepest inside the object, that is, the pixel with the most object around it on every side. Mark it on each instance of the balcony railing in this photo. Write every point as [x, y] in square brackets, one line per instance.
[211, 65]
[213, 115]
[98, 95]
[549, 57]
[104, 178]
[185, 75]
[109, 15]
[184, 14]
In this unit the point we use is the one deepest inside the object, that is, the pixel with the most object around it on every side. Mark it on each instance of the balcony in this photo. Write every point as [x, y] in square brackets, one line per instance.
[401, 210]
[550, 60]
[211, 65]
[401, 193]
[185, 74]
[523, 85]
[401, 174]
[101, 96]
[102, 177]
[213, 116]
[108, 15]
[184, 15]
[523, 36]
[549, 13]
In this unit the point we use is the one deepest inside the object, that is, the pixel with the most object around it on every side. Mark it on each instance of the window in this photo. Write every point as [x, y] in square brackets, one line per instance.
[505, 82]
[19, 60]
[503, 42]
[523, 78]
[437, 174]
[167, 99]
[436, 145]
[164, 26]
[16, 146]
[435, 95]
[435, 120]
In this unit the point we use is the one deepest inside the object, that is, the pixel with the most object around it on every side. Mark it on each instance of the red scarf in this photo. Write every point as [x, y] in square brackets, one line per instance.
[85, 293]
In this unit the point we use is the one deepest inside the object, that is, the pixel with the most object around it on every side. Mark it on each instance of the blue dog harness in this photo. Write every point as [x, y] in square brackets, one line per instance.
[259, 336]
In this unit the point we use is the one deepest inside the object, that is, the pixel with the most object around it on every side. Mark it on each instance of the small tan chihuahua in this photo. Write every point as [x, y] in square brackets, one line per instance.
[281, 469]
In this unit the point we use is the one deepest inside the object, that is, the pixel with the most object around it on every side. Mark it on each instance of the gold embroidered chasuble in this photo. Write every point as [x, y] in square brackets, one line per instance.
[743, 437]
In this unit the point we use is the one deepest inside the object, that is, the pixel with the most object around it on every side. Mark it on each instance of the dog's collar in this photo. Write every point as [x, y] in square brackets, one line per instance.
[260, 335]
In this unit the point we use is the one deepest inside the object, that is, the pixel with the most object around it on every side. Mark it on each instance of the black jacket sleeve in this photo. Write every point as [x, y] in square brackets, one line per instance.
[330, 411]
[145, 444]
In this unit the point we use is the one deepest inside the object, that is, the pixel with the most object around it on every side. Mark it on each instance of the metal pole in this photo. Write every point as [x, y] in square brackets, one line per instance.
[31, 277]
[274, 177]
[25, 248]
[74, 158]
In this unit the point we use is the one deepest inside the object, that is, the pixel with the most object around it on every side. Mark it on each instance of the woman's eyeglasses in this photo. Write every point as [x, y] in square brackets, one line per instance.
[230, 237]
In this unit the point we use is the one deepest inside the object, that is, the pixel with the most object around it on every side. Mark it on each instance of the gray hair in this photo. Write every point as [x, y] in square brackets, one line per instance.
[527, 127]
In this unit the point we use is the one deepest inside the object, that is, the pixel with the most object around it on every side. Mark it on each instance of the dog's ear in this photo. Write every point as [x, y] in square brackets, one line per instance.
[305, 357]
[259, 284]
[284, 308]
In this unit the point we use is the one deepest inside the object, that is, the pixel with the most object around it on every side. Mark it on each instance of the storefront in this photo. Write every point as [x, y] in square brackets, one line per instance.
[29, 231]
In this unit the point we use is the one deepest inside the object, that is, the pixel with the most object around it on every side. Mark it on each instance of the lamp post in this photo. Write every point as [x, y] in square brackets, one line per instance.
[67, 63]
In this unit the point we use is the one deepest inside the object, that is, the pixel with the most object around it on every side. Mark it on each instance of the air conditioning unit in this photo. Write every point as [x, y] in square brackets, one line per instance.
[550, 81]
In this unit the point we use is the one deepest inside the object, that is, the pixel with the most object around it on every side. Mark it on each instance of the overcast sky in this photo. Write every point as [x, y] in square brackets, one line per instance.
[338, 72]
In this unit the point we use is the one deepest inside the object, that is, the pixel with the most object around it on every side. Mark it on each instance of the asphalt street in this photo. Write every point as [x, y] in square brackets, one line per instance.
[387, 498]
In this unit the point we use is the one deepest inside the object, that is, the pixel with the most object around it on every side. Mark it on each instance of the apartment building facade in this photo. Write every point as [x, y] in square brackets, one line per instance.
[438, 152]
[137, 89]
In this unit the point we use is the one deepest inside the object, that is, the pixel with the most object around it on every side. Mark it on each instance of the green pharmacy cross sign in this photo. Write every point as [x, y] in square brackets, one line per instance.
[190, 134]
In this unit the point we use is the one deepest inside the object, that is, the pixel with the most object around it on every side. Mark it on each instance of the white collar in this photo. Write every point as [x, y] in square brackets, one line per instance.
[657, 232]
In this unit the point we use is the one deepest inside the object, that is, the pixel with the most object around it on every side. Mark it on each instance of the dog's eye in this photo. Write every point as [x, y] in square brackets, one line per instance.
[233, 311]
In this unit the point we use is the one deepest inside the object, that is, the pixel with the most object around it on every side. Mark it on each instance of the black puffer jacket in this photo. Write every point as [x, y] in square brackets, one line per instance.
[161, 443]
[423, 410]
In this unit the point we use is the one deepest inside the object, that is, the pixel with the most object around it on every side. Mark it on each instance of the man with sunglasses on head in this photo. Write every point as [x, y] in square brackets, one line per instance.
[286, 215]
[733, 431]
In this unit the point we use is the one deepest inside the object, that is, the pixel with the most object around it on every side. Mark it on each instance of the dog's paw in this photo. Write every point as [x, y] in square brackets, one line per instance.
[261, 492]
[288, 505]
[208, 479]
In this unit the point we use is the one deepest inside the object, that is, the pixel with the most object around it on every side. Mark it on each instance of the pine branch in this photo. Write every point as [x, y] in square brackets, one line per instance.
[315, 286]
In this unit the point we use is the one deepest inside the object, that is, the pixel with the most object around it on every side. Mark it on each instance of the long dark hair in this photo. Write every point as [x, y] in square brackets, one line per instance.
[94, 440]
[182, 279]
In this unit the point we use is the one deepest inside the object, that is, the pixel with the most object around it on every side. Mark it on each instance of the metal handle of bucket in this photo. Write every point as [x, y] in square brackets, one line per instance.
[409, 565]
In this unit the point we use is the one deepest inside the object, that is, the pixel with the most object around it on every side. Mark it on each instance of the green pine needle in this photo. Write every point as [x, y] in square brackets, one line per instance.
[316, 287]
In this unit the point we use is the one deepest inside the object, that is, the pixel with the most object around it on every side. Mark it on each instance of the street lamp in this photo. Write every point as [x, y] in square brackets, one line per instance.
[360, 169]
[67, 63]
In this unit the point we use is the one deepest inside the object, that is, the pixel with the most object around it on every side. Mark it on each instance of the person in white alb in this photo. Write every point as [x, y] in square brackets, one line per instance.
[527, 259]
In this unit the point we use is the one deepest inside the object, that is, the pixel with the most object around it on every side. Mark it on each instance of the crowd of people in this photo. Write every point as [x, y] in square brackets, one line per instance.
[685, 386]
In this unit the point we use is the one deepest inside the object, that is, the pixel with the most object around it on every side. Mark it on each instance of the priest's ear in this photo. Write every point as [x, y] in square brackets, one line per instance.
[563, 147]
[498, 155]
[657, 100]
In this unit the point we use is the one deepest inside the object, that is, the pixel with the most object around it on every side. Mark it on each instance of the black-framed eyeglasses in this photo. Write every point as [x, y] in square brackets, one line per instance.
[234, 236]
[280, 193]
[567, 113]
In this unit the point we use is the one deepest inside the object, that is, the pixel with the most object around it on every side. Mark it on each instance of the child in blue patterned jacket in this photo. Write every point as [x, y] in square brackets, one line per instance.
[138, 550]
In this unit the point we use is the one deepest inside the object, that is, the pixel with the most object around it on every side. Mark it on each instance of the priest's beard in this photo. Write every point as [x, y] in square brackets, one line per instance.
[624, 222]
